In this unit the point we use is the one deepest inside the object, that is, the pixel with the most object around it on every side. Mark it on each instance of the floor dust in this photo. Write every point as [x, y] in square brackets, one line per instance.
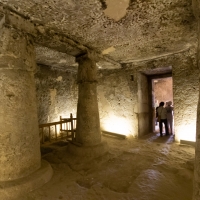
[151, 168]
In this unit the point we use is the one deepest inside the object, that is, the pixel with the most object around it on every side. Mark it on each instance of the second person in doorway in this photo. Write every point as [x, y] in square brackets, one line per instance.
[170, 109]
[162, 112]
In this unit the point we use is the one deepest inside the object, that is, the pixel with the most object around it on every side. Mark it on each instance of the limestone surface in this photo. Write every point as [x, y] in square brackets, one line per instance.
[139, 30]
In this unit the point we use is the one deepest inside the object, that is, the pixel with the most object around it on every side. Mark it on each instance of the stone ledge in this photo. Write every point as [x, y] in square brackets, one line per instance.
[12, 190]
[116, 135]
[185, 142]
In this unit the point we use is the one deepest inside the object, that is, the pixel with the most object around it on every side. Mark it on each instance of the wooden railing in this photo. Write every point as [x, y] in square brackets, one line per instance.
[63, 129]
[68, 125]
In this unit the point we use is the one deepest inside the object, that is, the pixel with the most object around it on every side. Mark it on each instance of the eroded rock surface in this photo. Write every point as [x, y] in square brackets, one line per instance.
[146, 29]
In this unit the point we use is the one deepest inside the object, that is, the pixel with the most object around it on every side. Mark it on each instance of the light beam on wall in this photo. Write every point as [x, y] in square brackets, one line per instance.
[186, 132]
[115, 124]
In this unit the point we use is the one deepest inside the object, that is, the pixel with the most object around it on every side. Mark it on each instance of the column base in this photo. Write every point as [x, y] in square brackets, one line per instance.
[88, 151]
[10, 190]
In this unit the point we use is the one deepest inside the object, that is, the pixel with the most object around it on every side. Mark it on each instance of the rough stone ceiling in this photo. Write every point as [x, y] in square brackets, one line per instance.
[122, 31]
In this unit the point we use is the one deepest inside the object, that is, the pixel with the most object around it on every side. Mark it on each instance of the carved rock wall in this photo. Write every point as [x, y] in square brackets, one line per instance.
[118, 91]
[186, 90]
[57, 94]
[117, 98]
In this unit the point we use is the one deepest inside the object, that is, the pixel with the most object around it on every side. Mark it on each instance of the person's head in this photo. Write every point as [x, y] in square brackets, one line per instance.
[162, 103]
[169, 103]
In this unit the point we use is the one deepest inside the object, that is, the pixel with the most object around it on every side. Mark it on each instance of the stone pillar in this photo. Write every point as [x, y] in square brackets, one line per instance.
[88, 134]
[88, 125]
[19, 134]
[196, 190]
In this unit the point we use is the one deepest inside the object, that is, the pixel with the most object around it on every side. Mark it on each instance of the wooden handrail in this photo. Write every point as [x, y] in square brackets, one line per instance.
[69, 127]
[49, 124]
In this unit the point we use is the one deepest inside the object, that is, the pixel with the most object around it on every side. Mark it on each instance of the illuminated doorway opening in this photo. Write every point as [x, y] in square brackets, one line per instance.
[149, 88]
[161, 90]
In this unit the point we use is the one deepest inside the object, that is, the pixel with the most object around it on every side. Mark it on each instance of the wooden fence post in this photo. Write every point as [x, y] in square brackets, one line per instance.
[72, 127]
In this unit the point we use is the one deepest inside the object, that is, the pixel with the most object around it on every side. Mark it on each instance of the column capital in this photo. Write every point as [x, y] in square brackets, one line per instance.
[88, 55]
[87, 69]
[15, 20]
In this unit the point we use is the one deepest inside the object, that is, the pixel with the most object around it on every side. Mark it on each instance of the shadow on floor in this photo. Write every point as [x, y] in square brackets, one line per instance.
[155, 137]
[50, 147]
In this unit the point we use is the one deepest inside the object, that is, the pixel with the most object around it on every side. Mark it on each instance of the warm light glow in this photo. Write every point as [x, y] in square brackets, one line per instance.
[186, 132]
[58, 130]
[120, 125]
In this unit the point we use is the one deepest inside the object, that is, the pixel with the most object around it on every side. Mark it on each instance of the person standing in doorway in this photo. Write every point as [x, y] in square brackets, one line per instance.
[169, 109]
[157, 115]
[162, 113]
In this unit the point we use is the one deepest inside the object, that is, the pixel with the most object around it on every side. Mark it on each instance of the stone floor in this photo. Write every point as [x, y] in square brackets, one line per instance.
[152, 168]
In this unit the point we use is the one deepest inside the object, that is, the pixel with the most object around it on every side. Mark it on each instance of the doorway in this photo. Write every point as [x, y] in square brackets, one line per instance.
[161, 90]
